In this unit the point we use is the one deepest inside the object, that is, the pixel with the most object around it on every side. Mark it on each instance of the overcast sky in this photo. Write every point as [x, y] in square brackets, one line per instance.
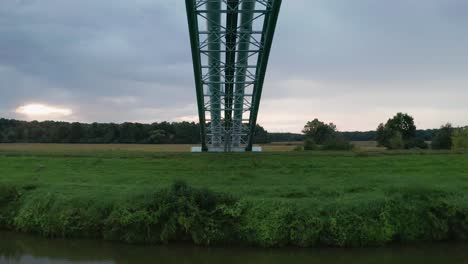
[354, 63]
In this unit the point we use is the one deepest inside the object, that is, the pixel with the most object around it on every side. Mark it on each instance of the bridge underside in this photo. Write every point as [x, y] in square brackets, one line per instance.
[231, 42]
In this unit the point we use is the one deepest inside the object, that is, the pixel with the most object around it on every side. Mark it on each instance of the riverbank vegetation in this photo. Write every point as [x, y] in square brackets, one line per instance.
[265, 199]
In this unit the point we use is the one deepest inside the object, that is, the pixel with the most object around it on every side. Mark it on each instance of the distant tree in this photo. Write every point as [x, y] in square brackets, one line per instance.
[76, 133]
[319, 131]
[61, 133]
[285, 137]
[9, 136]
[404, 124]
[261, 135]
[36, 131]
[360, 135]
[112, 133]
[185, 132]
[427, 134]
[325, 135]
[127, 133]
[383, 135]
[398, 132]
[157, 136]
[460, 138]
[443, 137]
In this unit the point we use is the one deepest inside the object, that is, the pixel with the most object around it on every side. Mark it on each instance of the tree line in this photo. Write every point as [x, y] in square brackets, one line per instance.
[399, 132]
[423, 134]
[16, 131]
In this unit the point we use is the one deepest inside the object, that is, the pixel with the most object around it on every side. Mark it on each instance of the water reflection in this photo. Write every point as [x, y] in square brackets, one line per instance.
[19, 248]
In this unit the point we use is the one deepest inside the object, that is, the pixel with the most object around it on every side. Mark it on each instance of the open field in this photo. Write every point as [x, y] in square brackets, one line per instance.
[83, 148]
[266, 199]
[77, 149]
[298, 175]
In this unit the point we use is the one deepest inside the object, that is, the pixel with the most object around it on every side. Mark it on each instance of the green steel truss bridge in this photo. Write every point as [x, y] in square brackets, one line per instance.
[231, 42]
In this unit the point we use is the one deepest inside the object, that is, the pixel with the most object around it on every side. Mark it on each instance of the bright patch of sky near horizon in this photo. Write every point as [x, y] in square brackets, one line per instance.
[32, 111]
[354, 63]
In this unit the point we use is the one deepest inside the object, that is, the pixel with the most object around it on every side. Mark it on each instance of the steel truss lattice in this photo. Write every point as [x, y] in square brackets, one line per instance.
[231, 42]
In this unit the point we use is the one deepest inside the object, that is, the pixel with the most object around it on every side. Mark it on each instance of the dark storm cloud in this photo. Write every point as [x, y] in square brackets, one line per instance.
[118, 60]
[82, 52]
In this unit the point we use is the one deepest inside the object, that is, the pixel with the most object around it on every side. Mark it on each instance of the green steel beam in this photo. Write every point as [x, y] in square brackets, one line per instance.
[221, 81]
[214, 61]
[271, 19]
[231, 36]
[194, 42]
[245, 30]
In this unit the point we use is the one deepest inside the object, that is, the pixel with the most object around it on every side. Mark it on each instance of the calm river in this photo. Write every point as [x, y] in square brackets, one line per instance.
[19, 248]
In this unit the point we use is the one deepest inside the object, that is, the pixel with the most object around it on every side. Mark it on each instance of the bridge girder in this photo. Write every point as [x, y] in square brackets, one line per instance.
[229, 87]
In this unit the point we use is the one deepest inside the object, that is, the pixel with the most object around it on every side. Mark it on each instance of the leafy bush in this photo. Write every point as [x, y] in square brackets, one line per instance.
[179, 213]
[460, 138]
[443, 138]
[274, 224]
[416, 144]
[298, 148]
[309, 144]
[337, 142]
[358, 225]
[8, 195]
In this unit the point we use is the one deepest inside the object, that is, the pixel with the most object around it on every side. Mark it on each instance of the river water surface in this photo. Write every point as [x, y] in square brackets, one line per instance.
[20, 248]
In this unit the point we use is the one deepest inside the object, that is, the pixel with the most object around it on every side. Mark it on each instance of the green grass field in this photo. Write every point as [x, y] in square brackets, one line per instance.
[275, 192]
[296, 175]
[121, 149]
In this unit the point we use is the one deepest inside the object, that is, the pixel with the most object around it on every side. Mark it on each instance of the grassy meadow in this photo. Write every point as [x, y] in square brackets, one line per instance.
[79, 149]
[154, 194]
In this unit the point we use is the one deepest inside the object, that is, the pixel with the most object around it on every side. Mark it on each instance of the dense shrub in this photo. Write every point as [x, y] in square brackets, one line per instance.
[309, 144]
[365, 224]
[179, 213]
[460, 138]
[416, 144]
[298, 148]
[8, 196]
[443, 138]
[275, 224]
[337, 142]
[55, 215]
[396, 141]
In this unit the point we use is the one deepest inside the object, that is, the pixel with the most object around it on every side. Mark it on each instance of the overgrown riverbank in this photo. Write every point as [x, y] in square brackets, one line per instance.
[182, 213]
[267, 200]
